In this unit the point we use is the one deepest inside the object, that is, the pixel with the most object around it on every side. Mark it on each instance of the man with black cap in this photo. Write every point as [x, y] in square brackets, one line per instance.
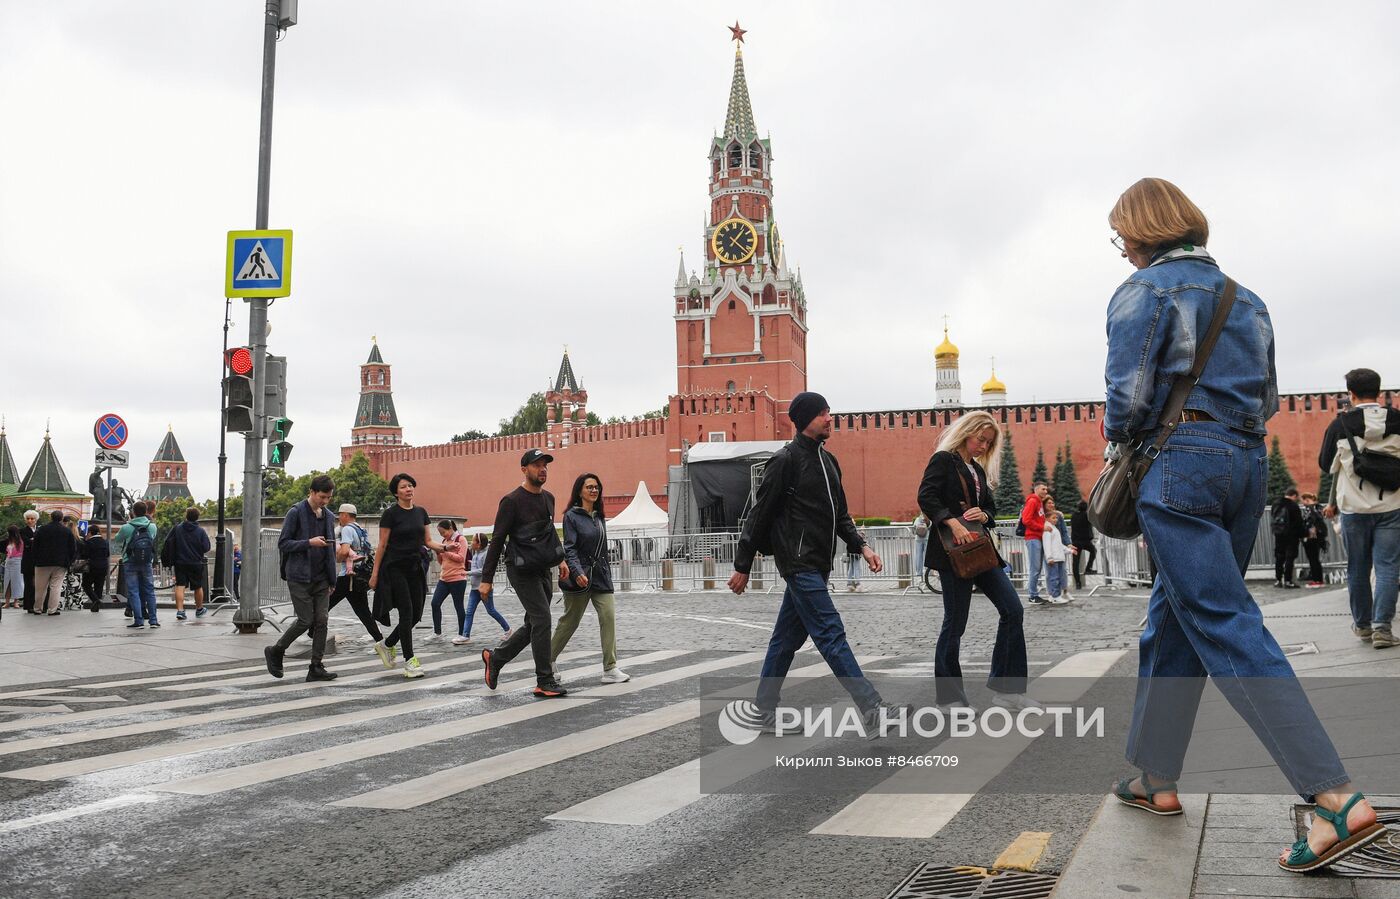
[524, 533]
[798, 514]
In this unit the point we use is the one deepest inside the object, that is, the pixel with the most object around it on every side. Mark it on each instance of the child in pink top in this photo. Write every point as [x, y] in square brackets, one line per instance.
[453, 579]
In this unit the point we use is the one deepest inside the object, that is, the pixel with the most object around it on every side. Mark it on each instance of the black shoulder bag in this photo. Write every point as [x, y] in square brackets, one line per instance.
[535, 546]
[1113, 501]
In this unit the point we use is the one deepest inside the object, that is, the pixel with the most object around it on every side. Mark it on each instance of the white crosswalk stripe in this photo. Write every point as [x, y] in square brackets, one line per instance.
[98, 714]
[267, 681]
[651, 798]
[108, 761]
[278, 768]
[909, 805]
[452, 781]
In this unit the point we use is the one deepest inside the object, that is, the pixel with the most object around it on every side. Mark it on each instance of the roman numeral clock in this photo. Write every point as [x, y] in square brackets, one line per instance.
[734, 241]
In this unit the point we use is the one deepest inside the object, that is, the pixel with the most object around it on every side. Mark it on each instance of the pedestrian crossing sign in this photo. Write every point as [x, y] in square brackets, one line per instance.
[259, 264]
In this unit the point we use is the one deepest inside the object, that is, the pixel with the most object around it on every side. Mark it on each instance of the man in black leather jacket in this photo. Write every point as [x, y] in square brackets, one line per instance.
[798, 514]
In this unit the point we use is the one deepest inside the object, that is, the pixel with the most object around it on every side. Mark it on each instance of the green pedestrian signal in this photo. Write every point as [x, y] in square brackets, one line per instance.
[279, 449]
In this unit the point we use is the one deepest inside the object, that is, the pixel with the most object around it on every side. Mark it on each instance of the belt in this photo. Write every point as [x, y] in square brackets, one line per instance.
[1196, 415]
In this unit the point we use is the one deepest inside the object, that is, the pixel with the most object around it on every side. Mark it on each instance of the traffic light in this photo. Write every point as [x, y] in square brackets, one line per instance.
[278, 448]
[238, 388]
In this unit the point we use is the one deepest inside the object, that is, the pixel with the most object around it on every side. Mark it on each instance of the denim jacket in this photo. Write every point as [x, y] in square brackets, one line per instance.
[1154, 321]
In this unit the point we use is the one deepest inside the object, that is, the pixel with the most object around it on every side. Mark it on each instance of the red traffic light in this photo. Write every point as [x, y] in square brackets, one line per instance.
[240, 361]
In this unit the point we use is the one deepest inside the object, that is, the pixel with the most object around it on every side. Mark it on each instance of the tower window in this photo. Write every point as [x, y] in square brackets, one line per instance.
[736, 157]
[729, 388]
[755, 158]
[731, 305]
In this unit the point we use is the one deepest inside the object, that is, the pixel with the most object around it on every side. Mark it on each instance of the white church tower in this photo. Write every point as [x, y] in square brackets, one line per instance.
[945, 358]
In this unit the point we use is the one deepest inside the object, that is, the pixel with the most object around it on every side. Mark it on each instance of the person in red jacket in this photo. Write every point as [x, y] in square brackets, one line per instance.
[1033, 522]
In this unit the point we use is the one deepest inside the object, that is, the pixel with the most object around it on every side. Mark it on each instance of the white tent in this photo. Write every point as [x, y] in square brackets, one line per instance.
[642, 515]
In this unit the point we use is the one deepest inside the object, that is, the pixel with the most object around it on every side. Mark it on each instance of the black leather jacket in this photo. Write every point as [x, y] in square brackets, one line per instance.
[799, 512]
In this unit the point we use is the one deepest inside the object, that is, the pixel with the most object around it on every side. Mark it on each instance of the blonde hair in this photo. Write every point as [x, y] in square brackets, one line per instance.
[966, 427]
[1156, 214]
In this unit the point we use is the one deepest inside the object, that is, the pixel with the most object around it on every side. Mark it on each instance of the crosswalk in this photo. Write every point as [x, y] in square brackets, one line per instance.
[234, 731]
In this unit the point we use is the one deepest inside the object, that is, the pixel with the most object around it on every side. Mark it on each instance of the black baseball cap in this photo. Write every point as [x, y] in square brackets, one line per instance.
[535, 455]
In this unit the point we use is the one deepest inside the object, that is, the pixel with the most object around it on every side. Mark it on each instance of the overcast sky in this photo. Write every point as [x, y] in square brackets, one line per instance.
[480, 184]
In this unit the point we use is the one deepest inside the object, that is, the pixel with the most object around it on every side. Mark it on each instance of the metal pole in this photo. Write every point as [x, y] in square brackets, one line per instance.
[220, 574]
[120, 587]
[249, 614]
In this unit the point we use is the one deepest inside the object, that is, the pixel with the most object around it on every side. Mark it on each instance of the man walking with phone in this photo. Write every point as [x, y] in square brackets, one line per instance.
[798, 514]
[307, 549]
[524, 533]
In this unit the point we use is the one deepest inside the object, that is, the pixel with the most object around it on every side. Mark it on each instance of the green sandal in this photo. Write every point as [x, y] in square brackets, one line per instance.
[1123, 794]
[1302, 858]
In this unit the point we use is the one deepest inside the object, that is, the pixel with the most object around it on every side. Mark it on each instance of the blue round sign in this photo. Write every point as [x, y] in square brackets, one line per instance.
[110, 431]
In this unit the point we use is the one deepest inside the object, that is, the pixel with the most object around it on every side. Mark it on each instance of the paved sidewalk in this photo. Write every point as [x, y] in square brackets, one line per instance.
[1226, 844]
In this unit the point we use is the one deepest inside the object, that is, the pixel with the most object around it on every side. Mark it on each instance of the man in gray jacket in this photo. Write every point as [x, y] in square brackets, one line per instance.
[307, 549]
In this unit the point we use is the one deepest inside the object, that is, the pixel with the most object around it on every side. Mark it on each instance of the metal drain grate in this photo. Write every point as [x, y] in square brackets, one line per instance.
[971, 882]
[1380, 859]
[1299, 649]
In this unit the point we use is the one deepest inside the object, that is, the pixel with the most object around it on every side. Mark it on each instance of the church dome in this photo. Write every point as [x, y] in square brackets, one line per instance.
[946, 348]
[993, 385]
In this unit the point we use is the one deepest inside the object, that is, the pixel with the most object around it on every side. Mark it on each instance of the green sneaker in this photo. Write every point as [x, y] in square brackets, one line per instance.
[411, 668]
[386, 653]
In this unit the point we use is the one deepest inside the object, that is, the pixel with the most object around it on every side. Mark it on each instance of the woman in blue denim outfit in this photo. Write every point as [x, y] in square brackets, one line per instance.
[1199, 507]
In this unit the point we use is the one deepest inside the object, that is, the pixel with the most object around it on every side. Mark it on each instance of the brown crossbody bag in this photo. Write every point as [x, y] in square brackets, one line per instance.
[975, 557]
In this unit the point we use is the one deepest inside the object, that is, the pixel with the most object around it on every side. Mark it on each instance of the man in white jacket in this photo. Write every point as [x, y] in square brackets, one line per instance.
[1370, 511]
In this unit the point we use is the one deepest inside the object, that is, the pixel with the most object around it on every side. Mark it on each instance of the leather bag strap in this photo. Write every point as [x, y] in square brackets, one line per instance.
[1184, 384]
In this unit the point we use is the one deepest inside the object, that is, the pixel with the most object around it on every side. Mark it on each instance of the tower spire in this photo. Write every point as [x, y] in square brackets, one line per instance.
[738, 121]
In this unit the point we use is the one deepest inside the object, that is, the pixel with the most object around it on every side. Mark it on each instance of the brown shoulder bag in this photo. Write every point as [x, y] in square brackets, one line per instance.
[978, 555]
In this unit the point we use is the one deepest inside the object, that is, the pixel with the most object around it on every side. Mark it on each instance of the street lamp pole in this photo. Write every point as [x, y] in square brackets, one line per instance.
[221, 573]
[249, 614]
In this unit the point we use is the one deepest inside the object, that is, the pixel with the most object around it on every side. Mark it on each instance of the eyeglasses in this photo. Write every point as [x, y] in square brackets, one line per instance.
[1117, 242]
[591, 487]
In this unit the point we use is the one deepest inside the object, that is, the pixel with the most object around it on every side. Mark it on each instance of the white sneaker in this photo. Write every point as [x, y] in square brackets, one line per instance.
[947, 707]
[412, 668]
[1061, 600]
[432, 638]
[386, 653]
[1015, 701]
[459, 640]
[615, 676]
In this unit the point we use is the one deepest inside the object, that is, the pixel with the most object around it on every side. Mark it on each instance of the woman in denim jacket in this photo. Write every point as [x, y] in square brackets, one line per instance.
[1199, 507]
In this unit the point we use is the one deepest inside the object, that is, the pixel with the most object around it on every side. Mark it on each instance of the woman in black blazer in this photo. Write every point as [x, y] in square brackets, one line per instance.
[963, 468]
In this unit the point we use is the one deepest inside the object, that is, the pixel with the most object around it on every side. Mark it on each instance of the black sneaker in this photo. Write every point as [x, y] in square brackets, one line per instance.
[1038, 601]
[317, 671]
[491, 672]
[273, 655]
[870, 718]
[550, 689]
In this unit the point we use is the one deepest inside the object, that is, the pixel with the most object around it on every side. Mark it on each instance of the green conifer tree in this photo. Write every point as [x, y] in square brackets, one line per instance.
[1040, 473]
[1009, 493]
[1324, 487]
[1280, 479]
[1066, 485]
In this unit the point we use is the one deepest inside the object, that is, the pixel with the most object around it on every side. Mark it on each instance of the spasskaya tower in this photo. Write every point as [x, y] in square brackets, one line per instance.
[741, 322]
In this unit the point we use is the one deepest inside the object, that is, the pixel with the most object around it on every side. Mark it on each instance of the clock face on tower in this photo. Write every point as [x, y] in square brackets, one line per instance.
[734, 241]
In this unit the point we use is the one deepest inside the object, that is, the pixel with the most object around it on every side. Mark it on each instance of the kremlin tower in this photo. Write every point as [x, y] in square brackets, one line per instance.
[948, 390]
[994, 392]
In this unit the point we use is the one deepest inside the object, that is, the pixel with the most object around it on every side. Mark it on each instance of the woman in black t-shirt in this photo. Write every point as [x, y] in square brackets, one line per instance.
[403, 530]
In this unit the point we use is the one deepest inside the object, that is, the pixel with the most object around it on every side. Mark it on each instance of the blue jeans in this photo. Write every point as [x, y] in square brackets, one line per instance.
[1372, 539]
[141, 592]
[475, 598]
[1035, 560]
[807, 610]
[1008, 673]
[1199, 507]
[455, 589]
[1055, 578]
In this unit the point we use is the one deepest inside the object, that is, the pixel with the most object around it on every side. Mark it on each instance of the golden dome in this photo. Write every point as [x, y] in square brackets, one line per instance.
[946, 348]
[993, 385]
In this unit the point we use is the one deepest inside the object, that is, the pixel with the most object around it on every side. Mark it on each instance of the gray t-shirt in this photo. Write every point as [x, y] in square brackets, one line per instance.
[349, 536]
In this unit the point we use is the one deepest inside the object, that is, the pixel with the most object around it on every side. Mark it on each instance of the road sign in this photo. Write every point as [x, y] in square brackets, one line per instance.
[110, 431]
[259, 264]
[112, 458]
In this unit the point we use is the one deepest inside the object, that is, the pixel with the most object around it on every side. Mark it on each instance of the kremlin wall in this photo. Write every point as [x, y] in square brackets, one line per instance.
[741, 355]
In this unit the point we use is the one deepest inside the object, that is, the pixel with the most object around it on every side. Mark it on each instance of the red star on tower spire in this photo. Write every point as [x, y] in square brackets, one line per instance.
[737, 32]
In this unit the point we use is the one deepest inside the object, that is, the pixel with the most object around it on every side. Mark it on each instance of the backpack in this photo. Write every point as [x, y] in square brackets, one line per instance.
[1279, 523]
[1377, 468]
[364, 566]
[140, 549]
[168, 549]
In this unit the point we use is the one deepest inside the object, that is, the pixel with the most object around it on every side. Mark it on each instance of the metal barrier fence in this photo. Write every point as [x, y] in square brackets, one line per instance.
[685, 563]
